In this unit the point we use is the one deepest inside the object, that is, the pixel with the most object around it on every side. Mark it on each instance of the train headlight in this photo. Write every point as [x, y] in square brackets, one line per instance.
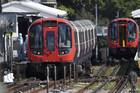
[64, 51]
[37, 52]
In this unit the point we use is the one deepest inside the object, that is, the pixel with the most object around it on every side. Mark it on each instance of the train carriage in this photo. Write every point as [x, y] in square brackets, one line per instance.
[56, 40]
[123, 35]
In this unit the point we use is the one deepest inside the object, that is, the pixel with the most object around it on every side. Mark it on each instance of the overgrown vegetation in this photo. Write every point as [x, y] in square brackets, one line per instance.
[107, 9]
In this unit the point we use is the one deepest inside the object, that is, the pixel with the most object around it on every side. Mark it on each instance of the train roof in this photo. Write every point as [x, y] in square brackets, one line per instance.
[53, 19]
[79, 24]
[126, 19]
[82, 22]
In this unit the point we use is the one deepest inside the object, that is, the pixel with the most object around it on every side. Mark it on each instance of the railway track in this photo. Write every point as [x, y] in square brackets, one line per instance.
[23, 86]
[120, 85]
[98, 77]
[103, 80]
[32, 86]
[122, 82]
[35, 86]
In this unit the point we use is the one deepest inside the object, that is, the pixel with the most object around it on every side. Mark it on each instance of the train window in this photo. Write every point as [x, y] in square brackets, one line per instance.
[79, 32]
[131, 31]
[91, 34]
[35, 38]
[113, 33]
[64, 35]
[75, 36]
[50, 40]
[50, 23]
[82, 36]
[86, 35]
[64, 38]
[122, 22]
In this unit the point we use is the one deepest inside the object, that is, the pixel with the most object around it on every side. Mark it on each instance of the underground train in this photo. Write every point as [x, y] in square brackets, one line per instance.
[54, 40]
[123, 37]
[60, 41]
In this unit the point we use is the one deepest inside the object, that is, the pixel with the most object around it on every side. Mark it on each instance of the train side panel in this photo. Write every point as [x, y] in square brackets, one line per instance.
[84, 36]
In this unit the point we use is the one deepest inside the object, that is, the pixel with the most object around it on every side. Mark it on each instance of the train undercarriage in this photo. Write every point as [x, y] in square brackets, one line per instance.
[119, 53]
[81, 66]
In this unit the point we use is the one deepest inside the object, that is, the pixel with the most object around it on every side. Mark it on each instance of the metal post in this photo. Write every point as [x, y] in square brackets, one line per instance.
[0, 7]
[96, 11]
[64, 76]
[118, 14]
[8, 49]
[74, 71]
[54, 77]
[11, 52]
[4, 47]
[70, 73]
[96, 14]
[47, 79]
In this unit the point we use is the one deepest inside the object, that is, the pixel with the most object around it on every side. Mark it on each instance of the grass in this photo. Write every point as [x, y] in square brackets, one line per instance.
[94, 86]
[109, 71]
[79, 85]
[138, 88]
[109, 85]
[94, 69]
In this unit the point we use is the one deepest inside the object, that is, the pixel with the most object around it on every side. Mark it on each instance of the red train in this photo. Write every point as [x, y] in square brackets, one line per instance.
[123, 36]
[56, 40]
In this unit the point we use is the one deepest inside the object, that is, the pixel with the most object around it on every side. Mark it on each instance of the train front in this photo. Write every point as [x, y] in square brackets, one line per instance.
[51, 40]
[123, 37]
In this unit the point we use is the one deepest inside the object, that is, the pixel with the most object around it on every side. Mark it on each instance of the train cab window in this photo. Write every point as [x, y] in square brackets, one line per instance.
[131, 31]
[113, 32]
[35, 38]
[64, 38]
[50, 23]
[50, 41]
[64, 35]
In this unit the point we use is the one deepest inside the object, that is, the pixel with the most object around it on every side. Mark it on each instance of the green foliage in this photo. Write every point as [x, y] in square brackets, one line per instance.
[70, 11]
[106, 8]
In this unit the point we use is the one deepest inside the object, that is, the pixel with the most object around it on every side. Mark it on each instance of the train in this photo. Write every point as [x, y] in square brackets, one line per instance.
[123, 38]
[60, 41]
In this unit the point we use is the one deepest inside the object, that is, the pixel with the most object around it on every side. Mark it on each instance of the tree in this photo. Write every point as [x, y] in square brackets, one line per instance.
[69, 10]
[107, 9]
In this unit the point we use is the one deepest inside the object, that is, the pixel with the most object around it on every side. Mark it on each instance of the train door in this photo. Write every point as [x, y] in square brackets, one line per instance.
[50, 42]
[50, 35]
[122, 35]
